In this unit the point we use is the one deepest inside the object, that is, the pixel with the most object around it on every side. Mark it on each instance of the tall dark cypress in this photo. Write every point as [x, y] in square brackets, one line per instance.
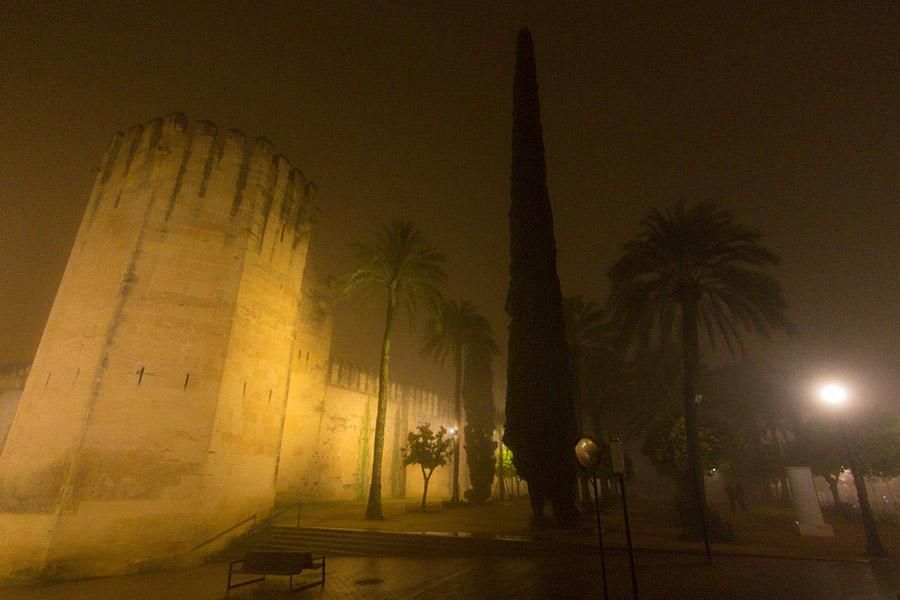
[541, 426]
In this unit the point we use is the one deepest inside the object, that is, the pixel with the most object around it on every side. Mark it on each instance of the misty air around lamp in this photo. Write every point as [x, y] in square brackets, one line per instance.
[835, 396]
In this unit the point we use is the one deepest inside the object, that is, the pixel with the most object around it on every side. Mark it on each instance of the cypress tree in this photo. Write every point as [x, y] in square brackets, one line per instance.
[541, 425]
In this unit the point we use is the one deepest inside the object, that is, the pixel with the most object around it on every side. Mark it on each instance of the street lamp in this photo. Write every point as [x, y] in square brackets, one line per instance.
[836, 395]
[454, 485]
[587, 452]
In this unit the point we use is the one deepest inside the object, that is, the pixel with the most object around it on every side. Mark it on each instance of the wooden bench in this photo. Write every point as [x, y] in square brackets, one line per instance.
[264, 562]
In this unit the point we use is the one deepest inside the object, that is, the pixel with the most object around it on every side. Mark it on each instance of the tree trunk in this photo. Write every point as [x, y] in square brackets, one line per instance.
[373, 508]
[832, 482]
[690, 348]
[874, 546]
[457, 395]
[427, 478]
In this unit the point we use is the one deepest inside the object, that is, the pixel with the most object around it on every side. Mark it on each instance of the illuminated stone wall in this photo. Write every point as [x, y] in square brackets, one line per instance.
[331, 455]
[12, 380]
[153, 413]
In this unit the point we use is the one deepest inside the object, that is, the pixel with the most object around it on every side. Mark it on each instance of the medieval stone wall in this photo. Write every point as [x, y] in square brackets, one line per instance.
[12, 381]
[337, 445]
[153, 412]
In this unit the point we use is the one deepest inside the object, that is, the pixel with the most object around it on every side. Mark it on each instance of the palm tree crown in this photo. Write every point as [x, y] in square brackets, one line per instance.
[584, 324]
[696, 256]
[400, 261]
[455, 326]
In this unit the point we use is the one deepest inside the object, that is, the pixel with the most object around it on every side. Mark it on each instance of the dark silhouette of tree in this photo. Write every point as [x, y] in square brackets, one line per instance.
[427, 449]
[755, 399]
[541, 428]
[478, 398]
[451, 331]
[402, 264]
[584, 333]
[689, 269]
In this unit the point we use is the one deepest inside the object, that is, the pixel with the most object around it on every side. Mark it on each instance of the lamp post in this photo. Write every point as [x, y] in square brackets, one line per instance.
[835, 395]
[587, 452]
[454, 489]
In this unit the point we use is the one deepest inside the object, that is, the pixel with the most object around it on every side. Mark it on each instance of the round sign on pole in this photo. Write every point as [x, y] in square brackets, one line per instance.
[587, 452]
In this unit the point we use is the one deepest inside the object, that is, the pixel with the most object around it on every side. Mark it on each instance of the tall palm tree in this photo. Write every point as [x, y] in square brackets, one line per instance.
[403, 264]
[453, 328]
[693, 268]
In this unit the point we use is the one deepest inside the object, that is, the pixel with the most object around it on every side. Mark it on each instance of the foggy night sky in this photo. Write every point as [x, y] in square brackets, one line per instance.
[787, 114]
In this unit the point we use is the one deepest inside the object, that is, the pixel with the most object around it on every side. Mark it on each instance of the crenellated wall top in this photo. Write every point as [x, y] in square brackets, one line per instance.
[194, 165]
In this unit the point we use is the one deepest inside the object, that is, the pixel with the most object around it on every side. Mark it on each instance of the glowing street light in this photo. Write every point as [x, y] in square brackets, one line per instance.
[835, 395]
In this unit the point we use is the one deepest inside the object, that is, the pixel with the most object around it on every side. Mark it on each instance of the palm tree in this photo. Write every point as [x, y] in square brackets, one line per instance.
[403, 264]
[584, 333]
[453, 328]
[693, 268]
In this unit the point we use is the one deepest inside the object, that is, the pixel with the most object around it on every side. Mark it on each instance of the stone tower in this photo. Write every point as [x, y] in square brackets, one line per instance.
[152, 418]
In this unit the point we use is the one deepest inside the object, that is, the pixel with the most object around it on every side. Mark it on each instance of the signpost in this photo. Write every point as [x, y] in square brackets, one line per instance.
[617, 452]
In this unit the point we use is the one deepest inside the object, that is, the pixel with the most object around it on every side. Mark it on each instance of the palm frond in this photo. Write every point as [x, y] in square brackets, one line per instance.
[698, 252]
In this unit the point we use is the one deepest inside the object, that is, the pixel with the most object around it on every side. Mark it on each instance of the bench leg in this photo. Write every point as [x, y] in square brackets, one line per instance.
[231, 586]
[306, 586]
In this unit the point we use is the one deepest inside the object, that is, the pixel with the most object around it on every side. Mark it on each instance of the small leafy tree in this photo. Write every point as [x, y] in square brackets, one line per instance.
[666, 445]
[427, 449]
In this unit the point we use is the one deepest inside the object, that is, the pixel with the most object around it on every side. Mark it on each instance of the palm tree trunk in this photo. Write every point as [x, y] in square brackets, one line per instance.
[690, 348]
[373, 508]
[457, 395]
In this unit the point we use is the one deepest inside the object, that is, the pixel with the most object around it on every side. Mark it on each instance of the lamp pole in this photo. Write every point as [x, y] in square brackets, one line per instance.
[587, 452]
[454, 485]
[836, 395]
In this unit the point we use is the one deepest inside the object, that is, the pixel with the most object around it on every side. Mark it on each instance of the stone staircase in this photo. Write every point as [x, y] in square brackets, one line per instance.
[358, 542]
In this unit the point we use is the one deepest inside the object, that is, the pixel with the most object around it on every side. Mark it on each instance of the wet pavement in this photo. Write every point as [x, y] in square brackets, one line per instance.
[660, 575]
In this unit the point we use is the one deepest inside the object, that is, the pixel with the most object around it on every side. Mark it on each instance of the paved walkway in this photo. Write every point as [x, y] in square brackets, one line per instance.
[764, 530]
[673, 570]
[659, 576]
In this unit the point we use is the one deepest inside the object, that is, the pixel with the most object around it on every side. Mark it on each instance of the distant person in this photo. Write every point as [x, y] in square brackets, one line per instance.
[739, 495]
[731, 493]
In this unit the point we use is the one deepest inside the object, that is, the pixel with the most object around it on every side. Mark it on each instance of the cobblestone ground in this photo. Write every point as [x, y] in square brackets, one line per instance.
[661, 576]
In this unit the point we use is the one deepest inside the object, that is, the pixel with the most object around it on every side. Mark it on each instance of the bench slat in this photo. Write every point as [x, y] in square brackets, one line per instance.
[276, 563]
